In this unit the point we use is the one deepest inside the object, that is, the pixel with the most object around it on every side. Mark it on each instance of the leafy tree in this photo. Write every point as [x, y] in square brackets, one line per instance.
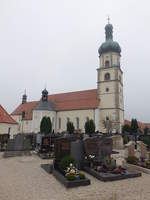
[46, 125]
[89, 127]
[70, 127]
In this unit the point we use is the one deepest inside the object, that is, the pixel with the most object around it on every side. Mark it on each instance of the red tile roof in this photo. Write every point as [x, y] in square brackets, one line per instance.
[5, 117]
[27, 108]
[141, 125]
[87, 99]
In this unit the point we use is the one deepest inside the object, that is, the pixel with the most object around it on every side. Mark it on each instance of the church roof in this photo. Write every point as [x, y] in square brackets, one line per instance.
[5, 117]
[27, 107]
[45, 105]
[79, 100]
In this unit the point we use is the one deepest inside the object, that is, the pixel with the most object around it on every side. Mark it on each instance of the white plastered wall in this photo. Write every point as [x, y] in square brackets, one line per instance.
[4, 128]
[72, 115]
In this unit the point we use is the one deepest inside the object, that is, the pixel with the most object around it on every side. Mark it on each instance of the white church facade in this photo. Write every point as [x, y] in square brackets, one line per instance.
[101, 104]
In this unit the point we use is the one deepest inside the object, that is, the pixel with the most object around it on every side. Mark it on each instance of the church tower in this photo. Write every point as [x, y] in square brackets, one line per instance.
[24, 98]
[110, 83]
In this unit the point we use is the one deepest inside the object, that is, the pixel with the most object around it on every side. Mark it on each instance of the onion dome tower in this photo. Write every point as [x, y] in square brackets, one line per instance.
[110, 83]
[109, 44]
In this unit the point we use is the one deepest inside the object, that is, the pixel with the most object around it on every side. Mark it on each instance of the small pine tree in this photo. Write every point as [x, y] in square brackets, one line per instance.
[134, 129]
[92, 126]
[89, 127]
[70, 127]
[49, 126]
[43, 125]
[46, 125]
[134, 126]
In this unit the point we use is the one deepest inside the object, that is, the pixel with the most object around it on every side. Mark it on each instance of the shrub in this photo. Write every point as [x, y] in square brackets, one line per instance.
[70, 127]
[46, 125]
[65, 162]
[132, 160]
[71, 177]
[89, 126]
[81, 175]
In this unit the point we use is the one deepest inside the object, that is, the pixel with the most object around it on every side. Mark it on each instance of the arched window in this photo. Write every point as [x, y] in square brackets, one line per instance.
[107, 77]
[107, 63]
[53, 122]
[59, 123]
[77, 123]
[107, 89]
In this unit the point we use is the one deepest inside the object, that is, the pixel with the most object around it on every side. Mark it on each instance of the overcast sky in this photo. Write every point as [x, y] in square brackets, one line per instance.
[55, 43]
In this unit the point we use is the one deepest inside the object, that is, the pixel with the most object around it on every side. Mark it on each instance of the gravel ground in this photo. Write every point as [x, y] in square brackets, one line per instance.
[22, 178]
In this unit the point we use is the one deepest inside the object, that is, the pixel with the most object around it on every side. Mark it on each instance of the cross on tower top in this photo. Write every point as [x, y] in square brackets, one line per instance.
[108, 18]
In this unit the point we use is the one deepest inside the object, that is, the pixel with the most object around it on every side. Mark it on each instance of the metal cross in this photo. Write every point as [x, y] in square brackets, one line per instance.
[108, 19]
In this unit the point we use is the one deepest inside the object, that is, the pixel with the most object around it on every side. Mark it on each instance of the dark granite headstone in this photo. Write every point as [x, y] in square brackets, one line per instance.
[26, 144]
[20, 143]
[61, 148]
[10, 145]
[77, 152]
[99, 147]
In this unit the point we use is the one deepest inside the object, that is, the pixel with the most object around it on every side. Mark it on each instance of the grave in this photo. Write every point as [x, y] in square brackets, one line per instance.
[100, 164]
[20, 145]
[68, 158]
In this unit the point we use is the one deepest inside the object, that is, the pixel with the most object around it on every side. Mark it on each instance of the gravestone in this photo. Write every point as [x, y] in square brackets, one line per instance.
[10, 145]
[142, 148]
[130, 149]
[19, 143]
[77, 152]
[62, 148]
[117, 142]
[27, 144]
[100, 147]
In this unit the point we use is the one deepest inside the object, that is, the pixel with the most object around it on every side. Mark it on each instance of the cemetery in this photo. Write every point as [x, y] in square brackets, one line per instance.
[90, 154]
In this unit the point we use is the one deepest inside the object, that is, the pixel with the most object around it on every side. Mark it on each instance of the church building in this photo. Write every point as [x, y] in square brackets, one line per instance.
[105, 103]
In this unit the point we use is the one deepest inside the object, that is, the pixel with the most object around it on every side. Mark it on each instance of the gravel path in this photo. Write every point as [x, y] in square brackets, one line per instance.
[22, 178]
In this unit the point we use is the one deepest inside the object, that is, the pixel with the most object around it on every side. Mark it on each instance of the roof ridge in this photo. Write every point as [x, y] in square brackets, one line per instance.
[72, 92]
